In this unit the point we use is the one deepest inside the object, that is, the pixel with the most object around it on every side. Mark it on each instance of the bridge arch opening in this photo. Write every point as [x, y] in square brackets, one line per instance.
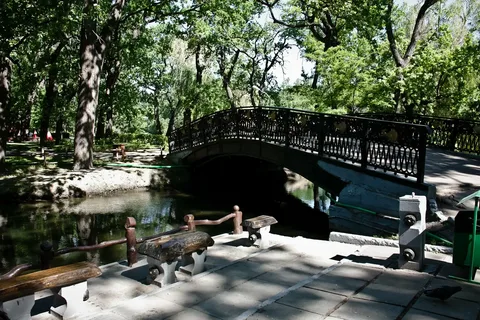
[257, 186]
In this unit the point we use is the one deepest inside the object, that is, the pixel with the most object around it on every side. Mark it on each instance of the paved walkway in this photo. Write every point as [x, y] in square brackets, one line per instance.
[296, 278]
[455, 175]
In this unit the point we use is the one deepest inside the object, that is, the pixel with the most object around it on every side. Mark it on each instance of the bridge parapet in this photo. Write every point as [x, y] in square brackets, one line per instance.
[372, 144]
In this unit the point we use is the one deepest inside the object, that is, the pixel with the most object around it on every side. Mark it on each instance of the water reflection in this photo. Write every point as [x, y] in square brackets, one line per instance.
[91, 221]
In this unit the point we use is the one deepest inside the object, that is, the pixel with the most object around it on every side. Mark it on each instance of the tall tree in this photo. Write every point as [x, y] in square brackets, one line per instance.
[402, 60]
[92, 55]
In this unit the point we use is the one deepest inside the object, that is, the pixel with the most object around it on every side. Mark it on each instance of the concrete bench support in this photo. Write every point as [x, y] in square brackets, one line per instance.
[163, 255]
[259, 229]
[17, 293]
[194, 263]
[19, 309]
[74, 296]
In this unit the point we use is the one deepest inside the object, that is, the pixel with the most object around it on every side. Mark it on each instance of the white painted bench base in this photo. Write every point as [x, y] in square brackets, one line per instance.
[260, 236]
[194, 264]
[74, 296]
[20, 309]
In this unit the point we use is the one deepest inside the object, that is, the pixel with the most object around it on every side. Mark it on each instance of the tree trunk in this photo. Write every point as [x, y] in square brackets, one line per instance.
[109, 123]
[5, 76]
[315, 77]
[92, 50]
[91, 60]
[50, 93]
[171, 122]
[158, 123]
[58, 129]
[27, 116]
[227, 76]
[198, 65]
[100, 134]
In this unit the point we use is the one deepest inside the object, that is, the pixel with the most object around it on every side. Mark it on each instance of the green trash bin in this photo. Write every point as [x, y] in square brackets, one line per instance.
[462, 241]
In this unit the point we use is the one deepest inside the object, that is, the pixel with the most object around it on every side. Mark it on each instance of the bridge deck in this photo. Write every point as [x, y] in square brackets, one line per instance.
[454, 174]
[299, 278]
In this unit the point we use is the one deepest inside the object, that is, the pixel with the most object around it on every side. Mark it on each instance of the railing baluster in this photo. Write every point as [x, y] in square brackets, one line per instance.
[364, 145]
[422, 155]
[321, 133]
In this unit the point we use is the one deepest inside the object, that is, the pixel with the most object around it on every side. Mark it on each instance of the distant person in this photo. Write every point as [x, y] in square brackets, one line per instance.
[34, 135]
[49, 136]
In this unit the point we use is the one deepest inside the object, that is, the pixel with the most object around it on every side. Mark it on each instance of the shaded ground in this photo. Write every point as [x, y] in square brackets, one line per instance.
[29, 179]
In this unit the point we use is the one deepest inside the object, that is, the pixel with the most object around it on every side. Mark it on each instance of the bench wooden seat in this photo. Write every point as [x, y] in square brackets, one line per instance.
[259, 229]
[17, 293]
[163, 255]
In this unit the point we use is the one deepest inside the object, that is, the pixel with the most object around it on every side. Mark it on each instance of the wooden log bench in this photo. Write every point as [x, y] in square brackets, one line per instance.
[17, 294]
[259, 229]
[163, 255]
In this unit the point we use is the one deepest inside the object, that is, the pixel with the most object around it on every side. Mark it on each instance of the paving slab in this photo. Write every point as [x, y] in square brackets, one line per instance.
[453, 307]
[259, 290]
[227, 305]
[192, 314]
[359, 309]
[321, 248]
[357, 271]
[192, 293]
[146, 308]
[108, 315]
[396, 287]
[287, 275]
[312, 300]
[415, 314]
[243, 271]
[337, 285]
[277, 311]
[276, 256]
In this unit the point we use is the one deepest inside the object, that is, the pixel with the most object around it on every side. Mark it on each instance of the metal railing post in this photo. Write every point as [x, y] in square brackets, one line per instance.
[130, 225]
[422, 155]
[237, 220]
[46, 255]
[364, 145]
[321, 134]
[189, 220]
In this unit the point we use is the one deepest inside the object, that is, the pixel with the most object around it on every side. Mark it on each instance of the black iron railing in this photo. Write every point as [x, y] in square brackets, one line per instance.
[452, 134]
[372, 144]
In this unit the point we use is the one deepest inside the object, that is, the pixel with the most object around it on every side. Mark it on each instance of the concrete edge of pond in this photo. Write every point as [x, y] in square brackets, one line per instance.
[365, 240]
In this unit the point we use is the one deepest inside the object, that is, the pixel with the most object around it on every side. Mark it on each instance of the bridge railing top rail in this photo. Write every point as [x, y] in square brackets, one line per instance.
[305, 112]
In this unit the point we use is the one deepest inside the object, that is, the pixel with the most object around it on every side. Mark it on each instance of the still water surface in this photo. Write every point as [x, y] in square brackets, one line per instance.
[93, 220]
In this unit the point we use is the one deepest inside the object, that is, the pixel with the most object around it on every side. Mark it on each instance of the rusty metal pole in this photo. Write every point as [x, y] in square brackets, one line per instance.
[237, 221]
[46, 255]
[189, 219]
[130, 225]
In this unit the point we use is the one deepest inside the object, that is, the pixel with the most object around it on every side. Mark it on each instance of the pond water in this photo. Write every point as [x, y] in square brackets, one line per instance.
[93, 220]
